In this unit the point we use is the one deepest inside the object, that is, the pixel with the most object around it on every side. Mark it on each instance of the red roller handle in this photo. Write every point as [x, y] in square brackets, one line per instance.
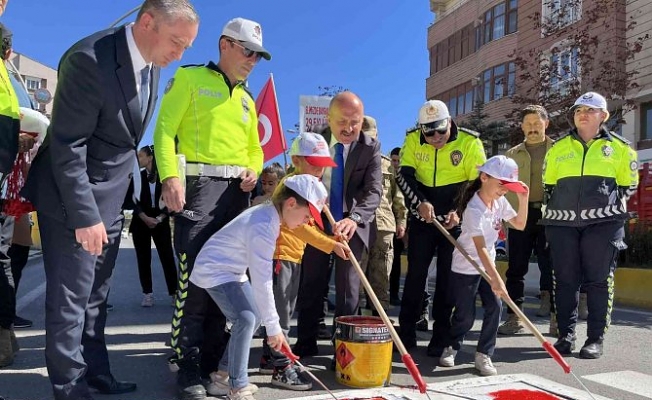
[285, 349]
[556, 356]
[414, 372]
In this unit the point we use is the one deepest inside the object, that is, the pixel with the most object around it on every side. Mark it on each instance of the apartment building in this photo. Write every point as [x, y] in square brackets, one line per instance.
[638, 124]
[37, 76]
[508, 53]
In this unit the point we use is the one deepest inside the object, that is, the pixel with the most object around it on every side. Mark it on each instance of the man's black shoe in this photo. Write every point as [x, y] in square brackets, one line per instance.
[324, 332]
[22, 322]
[107, 384]
[434, 351]
[422, 323]
[189, 381]
[592, 349]
[304, 349]
[564, 346]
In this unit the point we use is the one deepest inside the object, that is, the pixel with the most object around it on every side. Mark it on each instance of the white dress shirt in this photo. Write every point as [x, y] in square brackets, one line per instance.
[137, 60]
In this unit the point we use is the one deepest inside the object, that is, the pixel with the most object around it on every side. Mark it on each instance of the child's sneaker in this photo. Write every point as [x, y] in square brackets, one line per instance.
[242, 394]
[290, 378]
[219, 385]
[266, 366]
[484, 365]
[447, 358]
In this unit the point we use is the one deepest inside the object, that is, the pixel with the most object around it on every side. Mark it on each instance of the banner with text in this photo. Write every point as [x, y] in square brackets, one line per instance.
[313, 111]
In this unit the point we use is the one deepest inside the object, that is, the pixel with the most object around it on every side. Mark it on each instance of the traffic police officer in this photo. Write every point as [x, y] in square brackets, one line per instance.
[588, 176]
[210, 116]
[9, 131]
[437, 160]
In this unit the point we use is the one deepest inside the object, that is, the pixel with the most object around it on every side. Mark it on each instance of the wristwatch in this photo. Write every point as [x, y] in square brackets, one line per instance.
[355, 217]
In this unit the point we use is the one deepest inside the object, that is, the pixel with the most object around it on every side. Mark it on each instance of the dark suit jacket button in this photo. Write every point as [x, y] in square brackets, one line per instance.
[131, 175]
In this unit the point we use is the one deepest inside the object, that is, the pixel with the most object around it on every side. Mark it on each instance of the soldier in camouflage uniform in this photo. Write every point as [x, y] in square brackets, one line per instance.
[390, 219]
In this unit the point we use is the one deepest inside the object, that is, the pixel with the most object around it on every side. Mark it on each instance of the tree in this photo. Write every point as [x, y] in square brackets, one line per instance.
[585, 54]
[493, 133]
[330, 91]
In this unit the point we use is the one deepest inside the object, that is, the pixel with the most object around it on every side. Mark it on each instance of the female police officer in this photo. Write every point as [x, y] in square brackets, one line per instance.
[588, 176]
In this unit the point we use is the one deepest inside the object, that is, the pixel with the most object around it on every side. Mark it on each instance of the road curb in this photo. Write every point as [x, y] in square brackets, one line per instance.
[632, 286]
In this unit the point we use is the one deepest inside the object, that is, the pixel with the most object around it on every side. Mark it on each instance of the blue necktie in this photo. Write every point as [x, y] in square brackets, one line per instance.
[337, 184]
[144, 90]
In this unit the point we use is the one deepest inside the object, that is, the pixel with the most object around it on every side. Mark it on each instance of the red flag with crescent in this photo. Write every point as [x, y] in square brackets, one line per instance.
[270, 132]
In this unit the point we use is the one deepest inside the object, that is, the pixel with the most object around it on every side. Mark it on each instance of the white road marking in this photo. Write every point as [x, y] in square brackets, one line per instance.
[32, 295]
[628, 381]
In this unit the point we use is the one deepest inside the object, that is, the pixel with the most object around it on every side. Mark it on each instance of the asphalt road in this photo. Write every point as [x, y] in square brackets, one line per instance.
[136, 337]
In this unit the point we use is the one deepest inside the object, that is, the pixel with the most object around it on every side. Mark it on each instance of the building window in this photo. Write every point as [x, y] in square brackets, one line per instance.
[564, 69]
[511, 79]
[32, 83]
[512, 16]
[556, 14]
[459, 100]
[454, 48]
[646, 121]
[498, 21]
[498, 82]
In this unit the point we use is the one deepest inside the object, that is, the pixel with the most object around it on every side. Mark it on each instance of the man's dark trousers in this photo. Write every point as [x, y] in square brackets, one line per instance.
[314, 280]
[521, 244]
[214, 202]
[77, 288]
[424, 242]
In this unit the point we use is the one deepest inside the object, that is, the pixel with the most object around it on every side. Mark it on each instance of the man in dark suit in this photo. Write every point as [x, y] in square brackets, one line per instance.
[104, 100]
[355, 192]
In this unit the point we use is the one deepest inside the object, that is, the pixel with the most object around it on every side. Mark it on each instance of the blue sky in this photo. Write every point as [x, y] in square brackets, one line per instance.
[374, 48]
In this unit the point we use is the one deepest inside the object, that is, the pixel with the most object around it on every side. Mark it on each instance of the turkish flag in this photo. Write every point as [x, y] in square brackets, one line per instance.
[270, 132]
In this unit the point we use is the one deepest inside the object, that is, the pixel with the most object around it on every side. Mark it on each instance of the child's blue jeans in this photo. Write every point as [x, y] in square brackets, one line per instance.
[236, 300]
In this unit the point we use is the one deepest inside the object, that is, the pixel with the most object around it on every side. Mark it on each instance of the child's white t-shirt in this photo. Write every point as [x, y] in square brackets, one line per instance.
[480, 220]
[247, 242]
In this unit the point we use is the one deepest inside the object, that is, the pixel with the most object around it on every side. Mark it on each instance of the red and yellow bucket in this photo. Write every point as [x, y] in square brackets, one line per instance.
[363, 351]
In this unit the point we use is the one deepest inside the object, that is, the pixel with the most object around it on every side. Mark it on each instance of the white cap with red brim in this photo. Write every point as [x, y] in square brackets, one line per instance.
[505, 170]
[311, 189]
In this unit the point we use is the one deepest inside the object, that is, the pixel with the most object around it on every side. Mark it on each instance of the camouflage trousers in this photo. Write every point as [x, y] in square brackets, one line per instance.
[377, 264]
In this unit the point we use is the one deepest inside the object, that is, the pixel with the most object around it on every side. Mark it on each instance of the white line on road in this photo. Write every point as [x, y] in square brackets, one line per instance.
[629, 381]
[32, 295]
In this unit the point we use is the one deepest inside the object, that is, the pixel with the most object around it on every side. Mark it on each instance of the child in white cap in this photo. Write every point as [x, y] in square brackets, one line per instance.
[248, 243]
[483, 208]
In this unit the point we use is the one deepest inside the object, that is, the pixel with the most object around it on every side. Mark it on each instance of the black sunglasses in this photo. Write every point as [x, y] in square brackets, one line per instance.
[248, 53]
[429, 132]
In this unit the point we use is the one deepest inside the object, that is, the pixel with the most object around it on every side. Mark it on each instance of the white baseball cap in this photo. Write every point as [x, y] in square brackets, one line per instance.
[591, 99]
[310, 188]
[248, 33]
[505, 170]
[314, 148]
[434, 114]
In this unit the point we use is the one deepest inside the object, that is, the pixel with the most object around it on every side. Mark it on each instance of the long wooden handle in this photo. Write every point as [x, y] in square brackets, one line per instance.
[405, 356]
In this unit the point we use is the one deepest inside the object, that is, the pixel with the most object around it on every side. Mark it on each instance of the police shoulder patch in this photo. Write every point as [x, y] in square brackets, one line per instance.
[633, 165]
[168, 86]
[469, 132]
[621, 138]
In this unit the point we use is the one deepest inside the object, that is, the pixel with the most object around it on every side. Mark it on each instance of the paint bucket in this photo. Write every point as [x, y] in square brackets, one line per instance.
[363, 351]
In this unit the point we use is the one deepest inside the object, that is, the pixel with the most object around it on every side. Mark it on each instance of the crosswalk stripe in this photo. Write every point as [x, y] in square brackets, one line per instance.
[628, 381]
